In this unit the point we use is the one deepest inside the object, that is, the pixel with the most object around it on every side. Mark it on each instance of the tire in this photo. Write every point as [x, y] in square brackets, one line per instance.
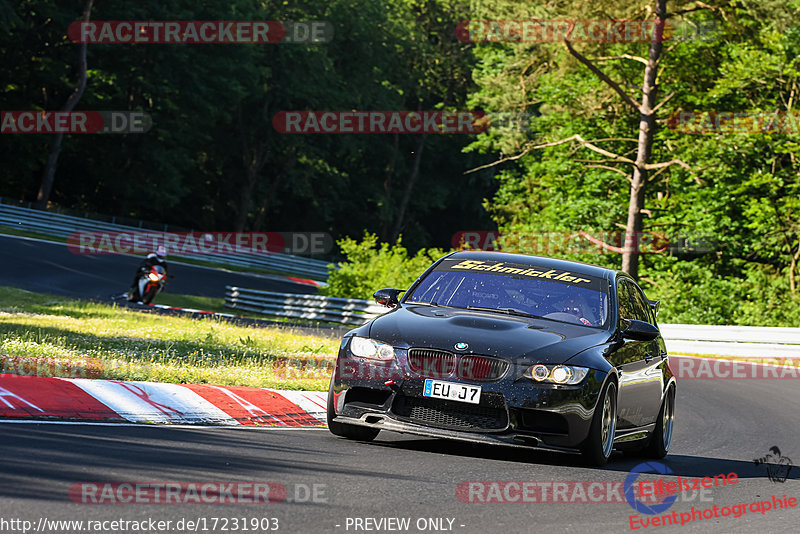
[359, 433]
[150, 292]
[598, 445]
[662, 435]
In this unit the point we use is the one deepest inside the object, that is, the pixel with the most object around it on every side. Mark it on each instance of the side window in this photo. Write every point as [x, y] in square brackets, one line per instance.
[643, 304]
[624, 300]
[631, 302]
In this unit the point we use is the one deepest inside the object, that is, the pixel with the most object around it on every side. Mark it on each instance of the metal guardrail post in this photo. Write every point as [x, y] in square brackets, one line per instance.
[738, 341]
[300, 306]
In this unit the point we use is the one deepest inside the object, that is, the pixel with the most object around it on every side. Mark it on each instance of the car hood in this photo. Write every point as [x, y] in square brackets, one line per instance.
[519, 339]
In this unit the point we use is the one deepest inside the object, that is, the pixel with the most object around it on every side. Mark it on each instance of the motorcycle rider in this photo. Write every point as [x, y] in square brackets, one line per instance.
[159, 257]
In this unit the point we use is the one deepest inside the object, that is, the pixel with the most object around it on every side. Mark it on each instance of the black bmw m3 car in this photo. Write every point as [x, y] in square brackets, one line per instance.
[511, 349]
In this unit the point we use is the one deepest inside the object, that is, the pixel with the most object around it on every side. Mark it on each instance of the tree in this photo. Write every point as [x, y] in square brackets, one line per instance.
[49, 173]
[647, 111]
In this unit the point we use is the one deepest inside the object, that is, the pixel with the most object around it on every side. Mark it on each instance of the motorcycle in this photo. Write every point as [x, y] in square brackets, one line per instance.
[148, 285]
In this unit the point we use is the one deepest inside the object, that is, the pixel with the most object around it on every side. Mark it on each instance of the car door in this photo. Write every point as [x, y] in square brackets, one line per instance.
[640, 362]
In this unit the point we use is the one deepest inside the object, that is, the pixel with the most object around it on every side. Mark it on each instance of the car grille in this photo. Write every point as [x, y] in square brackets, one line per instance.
[449, 414]
[432, 362]
[435, 363]
[481, 368]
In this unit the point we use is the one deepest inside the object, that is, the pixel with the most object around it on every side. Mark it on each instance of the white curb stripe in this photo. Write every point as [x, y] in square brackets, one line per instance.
[152, 402]
[313, 402]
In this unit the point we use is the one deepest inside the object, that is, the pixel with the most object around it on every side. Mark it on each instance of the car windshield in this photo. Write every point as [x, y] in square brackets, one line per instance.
[515, 289]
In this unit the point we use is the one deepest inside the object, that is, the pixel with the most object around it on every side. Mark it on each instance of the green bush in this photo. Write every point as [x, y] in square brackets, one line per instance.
[690, 293]
[695, 294]
[370, 267]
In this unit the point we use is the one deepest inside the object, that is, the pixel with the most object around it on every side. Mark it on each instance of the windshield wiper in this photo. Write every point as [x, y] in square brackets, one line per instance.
[507, 311]
[428, 304]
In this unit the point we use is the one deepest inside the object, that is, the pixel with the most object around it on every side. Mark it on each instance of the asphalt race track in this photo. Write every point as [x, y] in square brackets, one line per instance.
[45, 267]
[722, 426]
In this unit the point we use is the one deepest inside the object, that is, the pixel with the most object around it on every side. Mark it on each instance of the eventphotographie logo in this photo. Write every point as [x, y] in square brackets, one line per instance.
[630, 487]
[663, 493]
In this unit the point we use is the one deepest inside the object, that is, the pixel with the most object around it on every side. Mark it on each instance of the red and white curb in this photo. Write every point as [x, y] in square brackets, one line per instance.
[31, 397]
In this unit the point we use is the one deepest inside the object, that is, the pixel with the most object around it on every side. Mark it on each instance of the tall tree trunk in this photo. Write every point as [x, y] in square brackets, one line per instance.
[277, 179]
[253, 161]
[49, 173]
[647, 123]
[386, 219]
[401, 216]
[246, 197]
[261, 216]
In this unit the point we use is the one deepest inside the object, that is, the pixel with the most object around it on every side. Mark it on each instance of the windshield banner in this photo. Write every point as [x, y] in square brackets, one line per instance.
[522, 271]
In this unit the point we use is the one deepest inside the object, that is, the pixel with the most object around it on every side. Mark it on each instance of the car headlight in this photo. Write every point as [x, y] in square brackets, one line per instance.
[556, 374]
[371, 349]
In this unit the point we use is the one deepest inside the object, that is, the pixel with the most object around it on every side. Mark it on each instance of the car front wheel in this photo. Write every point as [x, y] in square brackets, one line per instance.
[360, 433]
[600, 442]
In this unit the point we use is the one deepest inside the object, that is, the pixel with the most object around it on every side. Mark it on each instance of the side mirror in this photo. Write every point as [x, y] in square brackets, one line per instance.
[388, 297]
[640, 331]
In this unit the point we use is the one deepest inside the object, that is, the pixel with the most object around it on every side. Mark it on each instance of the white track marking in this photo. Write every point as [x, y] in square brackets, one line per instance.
[313, 402]
[141, 425]
[152, 402]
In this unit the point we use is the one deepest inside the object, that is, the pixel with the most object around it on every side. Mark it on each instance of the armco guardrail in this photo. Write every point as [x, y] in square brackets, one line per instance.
[740, 341]
[58, 225]
[315, 307]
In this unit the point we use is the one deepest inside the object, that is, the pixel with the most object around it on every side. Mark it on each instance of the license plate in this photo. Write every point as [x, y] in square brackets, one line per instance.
[457, 392]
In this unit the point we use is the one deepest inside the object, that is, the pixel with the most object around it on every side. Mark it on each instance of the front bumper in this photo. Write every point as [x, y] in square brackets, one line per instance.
[513, 410]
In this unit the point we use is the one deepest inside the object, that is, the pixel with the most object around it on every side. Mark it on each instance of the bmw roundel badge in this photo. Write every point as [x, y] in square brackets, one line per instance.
[461, 346]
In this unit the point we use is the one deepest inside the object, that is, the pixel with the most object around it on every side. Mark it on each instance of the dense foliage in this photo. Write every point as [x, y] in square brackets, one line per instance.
[737, 195]
[212, 160]
[370, 266]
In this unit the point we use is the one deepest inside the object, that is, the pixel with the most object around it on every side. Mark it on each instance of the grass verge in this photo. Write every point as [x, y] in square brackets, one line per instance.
[217, 305]
[46, 335]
